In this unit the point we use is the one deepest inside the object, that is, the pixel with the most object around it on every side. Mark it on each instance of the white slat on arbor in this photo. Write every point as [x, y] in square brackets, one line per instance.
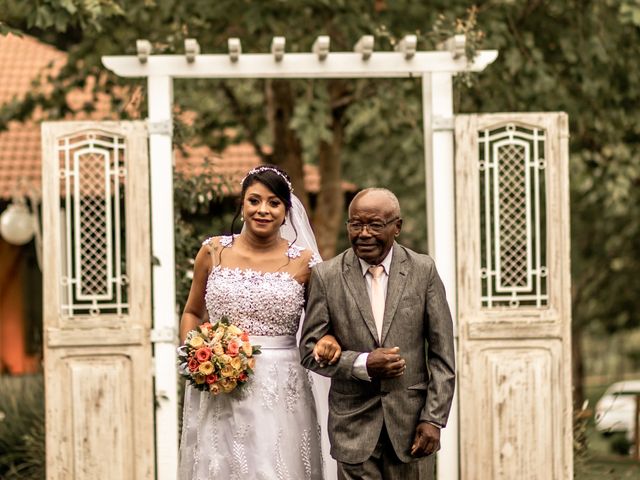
[97, 306]
[514, 306]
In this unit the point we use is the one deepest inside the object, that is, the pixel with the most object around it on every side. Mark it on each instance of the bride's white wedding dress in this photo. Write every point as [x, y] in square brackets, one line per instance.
[268, 429]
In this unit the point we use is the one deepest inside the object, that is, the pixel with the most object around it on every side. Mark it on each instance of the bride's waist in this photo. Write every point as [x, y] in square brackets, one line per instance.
[273, 341]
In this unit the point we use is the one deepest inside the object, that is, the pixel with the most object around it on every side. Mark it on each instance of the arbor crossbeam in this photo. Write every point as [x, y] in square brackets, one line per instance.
[363, 63]
[297, 65]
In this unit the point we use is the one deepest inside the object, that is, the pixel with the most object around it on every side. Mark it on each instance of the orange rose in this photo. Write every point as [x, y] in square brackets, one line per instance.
[193, 365]
[203, 354]
[233, 348]
[244, 337]
[213, 378]
[243, 377]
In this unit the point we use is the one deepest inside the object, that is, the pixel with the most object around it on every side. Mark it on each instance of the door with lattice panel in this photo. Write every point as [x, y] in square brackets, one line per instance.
[97, 305]
[514, 310]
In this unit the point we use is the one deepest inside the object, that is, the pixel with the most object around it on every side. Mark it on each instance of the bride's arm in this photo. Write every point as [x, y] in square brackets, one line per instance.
[195, 308]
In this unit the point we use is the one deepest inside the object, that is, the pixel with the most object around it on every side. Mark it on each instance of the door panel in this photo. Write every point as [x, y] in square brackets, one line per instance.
[97, 306]
[514, 296]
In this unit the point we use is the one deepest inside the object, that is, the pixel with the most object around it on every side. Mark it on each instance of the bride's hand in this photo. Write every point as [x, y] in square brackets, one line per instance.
[327, 350]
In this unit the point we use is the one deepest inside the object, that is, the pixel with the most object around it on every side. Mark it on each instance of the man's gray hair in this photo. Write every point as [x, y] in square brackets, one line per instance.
[393, 200]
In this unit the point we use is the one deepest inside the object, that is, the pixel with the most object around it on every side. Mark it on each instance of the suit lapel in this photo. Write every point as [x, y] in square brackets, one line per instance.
[395, 287]
[355, 281]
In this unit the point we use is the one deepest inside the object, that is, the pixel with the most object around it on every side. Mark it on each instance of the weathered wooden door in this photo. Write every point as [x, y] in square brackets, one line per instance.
[512, 203]
[97, 302]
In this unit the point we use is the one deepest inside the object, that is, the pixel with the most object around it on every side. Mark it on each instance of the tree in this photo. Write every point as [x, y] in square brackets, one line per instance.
[288, 122]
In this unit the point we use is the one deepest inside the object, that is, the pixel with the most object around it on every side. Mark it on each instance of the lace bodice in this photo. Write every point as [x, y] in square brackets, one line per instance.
[258, 302]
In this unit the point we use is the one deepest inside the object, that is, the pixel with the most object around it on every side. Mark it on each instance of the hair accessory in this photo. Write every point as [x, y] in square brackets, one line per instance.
[271, 169]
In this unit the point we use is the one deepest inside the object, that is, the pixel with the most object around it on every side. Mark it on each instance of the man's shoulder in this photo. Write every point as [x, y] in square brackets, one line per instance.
[413, 256]
[333, 264]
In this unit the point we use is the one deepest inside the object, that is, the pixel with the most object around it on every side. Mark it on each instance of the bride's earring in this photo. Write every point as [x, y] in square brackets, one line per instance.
[241, 217]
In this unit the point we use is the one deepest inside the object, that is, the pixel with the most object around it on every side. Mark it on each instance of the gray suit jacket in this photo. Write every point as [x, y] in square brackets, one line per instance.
[416, 319]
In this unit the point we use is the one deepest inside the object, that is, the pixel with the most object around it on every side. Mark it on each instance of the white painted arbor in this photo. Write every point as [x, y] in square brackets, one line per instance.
[506, 274]
[436, 68]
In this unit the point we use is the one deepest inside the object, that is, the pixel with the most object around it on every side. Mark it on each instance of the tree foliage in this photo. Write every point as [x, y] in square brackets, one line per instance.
[289, 122]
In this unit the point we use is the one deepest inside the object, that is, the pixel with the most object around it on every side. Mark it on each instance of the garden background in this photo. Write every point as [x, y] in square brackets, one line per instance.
[576, 56]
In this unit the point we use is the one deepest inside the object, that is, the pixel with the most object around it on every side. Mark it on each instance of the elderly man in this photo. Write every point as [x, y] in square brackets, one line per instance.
[392, 386]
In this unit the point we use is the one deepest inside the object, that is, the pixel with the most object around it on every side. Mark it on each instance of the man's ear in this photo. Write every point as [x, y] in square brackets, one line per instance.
[398, 227]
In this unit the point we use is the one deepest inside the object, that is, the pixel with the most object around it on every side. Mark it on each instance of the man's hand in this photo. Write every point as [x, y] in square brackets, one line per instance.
[327, 350]
[426, 441]
[385, 363]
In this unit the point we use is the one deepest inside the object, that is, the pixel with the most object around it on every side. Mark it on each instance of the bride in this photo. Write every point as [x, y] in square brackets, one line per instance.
[269, 429]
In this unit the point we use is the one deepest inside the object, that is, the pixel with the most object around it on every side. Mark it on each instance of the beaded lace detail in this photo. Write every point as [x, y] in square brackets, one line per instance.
[260, 303]
[314, 260]
[294, 251]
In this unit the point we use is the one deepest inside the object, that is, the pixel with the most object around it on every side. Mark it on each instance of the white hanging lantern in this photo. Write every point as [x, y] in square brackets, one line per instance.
[17, 224]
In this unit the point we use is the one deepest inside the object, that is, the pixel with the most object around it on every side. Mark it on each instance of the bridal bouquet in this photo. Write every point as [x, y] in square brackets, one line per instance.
[217, 358]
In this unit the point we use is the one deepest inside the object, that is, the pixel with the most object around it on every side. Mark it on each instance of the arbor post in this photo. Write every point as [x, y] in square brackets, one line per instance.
[437, 113]
[164, 333]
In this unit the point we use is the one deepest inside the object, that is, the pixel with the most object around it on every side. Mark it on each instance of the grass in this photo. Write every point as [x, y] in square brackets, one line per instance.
[609, 468]
[22, 437]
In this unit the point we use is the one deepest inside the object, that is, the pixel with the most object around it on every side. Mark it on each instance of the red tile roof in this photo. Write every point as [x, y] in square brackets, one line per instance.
[22, 59]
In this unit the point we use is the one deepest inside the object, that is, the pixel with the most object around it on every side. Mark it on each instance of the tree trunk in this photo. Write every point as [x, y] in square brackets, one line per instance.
[287, 153]
[287, 150]
[330, 204]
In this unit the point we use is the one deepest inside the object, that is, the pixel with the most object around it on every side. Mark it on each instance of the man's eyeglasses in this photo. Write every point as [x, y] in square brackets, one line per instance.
[373, 227]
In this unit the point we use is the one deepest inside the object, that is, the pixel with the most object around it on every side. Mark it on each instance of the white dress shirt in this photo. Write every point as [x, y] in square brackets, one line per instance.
[360, 365]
